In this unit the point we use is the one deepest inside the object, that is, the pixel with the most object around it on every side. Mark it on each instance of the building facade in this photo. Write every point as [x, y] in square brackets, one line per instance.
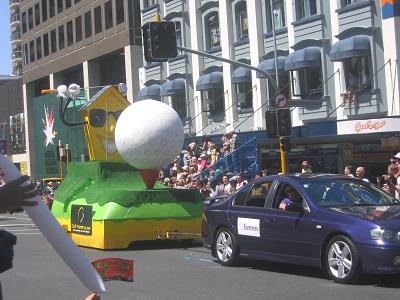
[336, 63]
[15, 27]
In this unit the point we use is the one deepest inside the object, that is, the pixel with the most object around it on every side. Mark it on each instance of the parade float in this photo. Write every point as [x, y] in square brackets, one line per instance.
[110, 202]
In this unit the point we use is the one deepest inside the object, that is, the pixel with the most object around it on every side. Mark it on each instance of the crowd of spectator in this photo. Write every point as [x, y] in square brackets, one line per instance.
[195, 168]
[47, 190]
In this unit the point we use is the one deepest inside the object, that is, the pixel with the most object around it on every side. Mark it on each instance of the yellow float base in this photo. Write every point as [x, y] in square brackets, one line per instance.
[108, 234]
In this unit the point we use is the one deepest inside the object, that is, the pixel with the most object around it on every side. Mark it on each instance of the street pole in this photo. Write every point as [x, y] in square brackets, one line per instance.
[275, 47]
[283, 157]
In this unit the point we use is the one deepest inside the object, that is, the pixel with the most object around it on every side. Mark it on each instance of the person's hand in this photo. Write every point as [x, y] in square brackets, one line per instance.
[93, 296]
[16, 193]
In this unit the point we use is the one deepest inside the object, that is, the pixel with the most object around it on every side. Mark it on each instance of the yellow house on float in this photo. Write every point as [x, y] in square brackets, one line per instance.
[101, 113]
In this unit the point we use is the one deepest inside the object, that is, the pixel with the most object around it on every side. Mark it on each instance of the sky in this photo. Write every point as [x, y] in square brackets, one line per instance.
[5, 46]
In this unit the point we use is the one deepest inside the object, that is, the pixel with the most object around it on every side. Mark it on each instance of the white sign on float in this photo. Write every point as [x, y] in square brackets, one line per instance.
[149, 134]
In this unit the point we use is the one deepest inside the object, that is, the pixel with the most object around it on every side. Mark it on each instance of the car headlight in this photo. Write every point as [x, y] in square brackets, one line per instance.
[384, 234]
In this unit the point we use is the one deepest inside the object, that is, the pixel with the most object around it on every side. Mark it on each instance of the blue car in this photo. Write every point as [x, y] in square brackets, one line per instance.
[341, 224]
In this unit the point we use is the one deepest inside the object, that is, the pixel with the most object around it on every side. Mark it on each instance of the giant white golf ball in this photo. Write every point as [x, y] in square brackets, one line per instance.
[149, 134]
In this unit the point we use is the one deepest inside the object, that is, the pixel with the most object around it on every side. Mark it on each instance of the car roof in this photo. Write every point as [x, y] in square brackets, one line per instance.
[296, 176]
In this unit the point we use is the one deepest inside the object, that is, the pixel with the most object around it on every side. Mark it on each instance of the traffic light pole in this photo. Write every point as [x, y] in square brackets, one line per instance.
[233, 62]
[283, 157]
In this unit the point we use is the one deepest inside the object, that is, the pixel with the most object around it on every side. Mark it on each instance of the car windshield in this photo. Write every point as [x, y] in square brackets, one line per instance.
[334, 192]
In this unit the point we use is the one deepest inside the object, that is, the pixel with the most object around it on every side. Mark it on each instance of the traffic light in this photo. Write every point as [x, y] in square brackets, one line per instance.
[285, 144]
[270, 120]
[284, 122]
[159, 41]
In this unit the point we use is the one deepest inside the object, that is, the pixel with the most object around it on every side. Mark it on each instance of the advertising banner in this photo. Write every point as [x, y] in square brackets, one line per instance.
[81, 219]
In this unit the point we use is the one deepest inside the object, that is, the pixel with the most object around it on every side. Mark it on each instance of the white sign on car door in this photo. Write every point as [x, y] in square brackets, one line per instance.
[250, 227]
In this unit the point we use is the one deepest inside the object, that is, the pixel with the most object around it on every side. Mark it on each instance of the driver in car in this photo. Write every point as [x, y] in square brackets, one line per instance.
[292, 196]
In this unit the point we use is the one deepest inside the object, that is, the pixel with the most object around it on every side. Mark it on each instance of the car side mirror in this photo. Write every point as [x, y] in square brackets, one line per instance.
[295, 207]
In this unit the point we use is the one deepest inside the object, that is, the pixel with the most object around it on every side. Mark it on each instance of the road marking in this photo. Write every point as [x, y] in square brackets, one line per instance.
[19, 230]
[17, 225]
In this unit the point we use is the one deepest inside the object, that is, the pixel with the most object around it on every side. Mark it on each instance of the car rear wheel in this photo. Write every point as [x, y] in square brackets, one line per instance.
[342, 261]
[225, 247]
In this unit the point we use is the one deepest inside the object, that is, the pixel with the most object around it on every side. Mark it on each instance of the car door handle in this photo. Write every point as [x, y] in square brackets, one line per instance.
[270, 220]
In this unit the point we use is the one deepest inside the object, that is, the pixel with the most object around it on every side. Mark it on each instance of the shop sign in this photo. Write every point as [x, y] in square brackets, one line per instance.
[368, 126]
[81, 219]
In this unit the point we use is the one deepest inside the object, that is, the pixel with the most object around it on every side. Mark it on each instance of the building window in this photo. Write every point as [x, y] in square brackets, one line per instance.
[119, 7]
[26, 56]
[148, 3]
[78, 29]
[77, 1]
[52, 8]
[70, 34]
[39, 48]
[53, 37]
[179, 104]
[30, 18]
[60, 6]
[68, 4]
[108, 15]
[32, 51]
[97, 20]
[17, 134]
[212, 31]
[45, 44]
[44, 10]
[37, 14]
[88, 24]
[305, 8]
[244, 95]
[278, 11]
[178, 30]
[358, 73]
[242, 23]
[61, 38]
[213, 101]
[23, 22]
[310, 82]
[350, 2]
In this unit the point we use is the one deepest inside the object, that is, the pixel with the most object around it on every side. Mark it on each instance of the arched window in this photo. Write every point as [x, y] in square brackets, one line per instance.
[242, 23]
[212, 31]
[278, 12]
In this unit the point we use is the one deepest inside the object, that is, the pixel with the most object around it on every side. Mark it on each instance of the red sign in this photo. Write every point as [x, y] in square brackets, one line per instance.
[114, 269]
[281, 100]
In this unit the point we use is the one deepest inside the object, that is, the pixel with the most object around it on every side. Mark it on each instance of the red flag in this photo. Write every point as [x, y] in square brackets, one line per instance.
[114, 269]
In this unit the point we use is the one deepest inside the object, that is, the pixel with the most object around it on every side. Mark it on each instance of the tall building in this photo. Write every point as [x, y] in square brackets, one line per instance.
[90, 43]
[336, 63]
[15, 26]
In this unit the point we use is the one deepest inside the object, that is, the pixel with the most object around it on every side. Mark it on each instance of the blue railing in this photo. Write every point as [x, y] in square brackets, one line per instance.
[243, 160]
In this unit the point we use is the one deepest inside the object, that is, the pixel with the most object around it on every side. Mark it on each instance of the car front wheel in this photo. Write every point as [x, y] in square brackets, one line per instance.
[225, 247]
[342, 261]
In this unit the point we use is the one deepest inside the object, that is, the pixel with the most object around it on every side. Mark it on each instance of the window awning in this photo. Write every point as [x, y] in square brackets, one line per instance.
[241, 75]
[355, 46]
[210, 81]
[268, 66]
[309, 57]
[173, 87]
[149, 92]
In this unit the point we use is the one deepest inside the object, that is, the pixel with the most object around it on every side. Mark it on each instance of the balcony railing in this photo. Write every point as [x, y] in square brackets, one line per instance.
[15, 18]
[16, 54]
[12, 2]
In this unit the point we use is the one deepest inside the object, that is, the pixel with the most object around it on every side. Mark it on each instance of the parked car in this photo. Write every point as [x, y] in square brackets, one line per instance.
[342, 224]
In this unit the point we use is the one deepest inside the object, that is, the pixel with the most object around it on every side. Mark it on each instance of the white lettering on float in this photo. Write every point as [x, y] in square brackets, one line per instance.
[250, 227]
